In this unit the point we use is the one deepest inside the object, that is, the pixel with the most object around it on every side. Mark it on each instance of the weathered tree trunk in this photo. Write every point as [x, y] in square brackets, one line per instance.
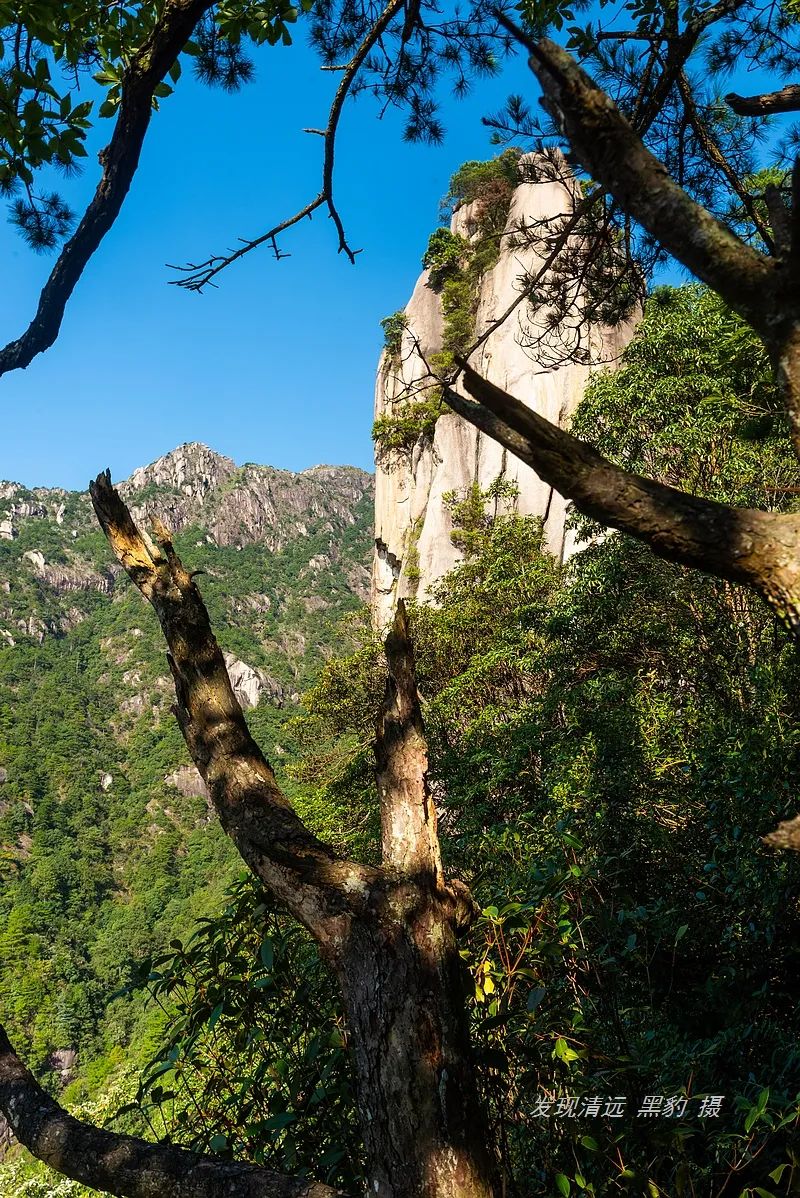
[403, 985]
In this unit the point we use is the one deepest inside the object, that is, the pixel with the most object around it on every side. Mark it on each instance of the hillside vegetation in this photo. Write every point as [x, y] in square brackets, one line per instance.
[610, 739]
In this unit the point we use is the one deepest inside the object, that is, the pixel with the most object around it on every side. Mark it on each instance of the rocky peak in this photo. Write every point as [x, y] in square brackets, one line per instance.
[192, 470]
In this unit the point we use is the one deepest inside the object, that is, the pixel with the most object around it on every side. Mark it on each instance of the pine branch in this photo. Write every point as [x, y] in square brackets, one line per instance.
[119, 160]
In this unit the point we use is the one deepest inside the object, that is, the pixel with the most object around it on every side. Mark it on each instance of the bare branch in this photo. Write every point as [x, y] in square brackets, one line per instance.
[198, 276]
[304, 874]
[125, 1165]
[119, 160]
[785, 100]
[408, 815]
[761, 549]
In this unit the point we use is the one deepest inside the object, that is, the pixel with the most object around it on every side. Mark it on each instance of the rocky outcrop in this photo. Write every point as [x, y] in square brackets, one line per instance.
[250, 683]
[413, 546]
[76, 576]
[231, 506]
[187, 781]
[243, 505]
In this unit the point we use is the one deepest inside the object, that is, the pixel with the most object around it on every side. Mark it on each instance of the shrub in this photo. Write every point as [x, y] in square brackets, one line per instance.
[477, 180]
[444, 255]
[393, 328]
[399, 431]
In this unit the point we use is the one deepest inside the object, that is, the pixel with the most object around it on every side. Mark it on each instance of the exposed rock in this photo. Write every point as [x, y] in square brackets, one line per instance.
[106, 781]
[28, 510]
[408, 494]
[77, 576]
[3, 775]
[62, 1062]
[187, 781]
[248, 682]
[192, 469]
[7, 529]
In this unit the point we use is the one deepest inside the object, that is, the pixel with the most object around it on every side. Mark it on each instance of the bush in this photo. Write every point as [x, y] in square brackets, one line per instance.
[399, 431]
[444, 255]
[477, 180]
[393, 328]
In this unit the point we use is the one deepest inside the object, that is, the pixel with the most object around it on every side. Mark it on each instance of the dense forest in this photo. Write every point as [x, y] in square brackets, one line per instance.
[609, 739]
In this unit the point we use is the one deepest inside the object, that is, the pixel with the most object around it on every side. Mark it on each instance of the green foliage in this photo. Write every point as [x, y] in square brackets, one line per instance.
[471, 521]
[47, 49]
[393, 328]
[695, 405]
[91, 880]
[475, 181]
[253, 1062]
[608, 744]
[400, 430]
[444, 255]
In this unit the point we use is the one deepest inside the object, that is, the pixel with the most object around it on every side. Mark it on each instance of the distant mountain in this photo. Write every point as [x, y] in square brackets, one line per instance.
[49, 543]
[107, 847]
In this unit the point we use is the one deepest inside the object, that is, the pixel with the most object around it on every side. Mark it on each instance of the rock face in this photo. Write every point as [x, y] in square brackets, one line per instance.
[409, 509]
[250, 683]
[241, 505]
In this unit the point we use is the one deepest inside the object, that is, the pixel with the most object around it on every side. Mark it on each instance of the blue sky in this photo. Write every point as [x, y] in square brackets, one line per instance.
[277, 366]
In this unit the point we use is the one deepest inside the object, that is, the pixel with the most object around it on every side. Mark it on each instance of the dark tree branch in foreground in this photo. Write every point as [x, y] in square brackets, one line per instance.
[305, 874]
[615, 155]
[389, 935]
[125, 1165]
[200, 275]
[119, 160]
[785, 100]
[761, 549]
[762, 289]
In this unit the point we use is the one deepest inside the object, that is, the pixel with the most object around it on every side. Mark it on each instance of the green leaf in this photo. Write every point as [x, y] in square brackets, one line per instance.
[279, 1121]
[562, 1184]
[267, 953]
[218, 1143]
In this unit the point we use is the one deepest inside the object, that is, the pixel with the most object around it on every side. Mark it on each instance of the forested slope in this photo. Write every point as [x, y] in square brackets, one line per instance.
[107, 846]
[609, 740]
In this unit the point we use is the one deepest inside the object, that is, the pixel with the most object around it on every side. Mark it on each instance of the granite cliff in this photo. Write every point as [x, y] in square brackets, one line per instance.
[413, 546]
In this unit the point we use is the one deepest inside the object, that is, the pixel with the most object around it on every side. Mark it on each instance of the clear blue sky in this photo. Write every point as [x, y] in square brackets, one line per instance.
[277, 366]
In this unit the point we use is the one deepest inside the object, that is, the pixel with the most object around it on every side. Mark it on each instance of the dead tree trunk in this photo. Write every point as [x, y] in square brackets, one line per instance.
[389, 934]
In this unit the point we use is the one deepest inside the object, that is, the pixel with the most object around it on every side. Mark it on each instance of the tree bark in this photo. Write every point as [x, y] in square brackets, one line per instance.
[389, 933]
[125, 1165]
[403, 985]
